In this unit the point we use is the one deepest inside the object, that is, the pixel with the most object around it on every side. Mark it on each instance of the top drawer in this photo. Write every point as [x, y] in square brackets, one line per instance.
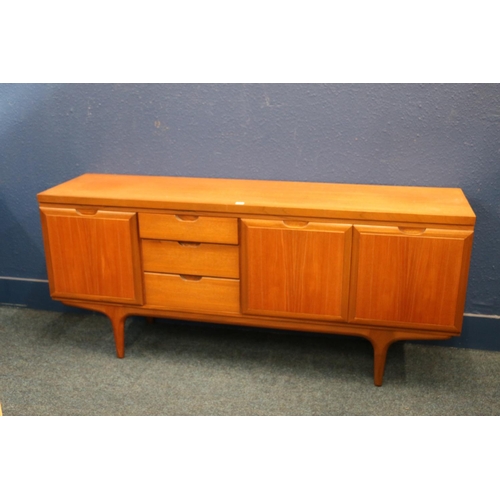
[188, 228]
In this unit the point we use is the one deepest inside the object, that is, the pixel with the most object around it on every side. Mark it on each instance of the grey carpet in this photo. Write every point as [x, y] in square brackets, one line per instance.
[65, 364]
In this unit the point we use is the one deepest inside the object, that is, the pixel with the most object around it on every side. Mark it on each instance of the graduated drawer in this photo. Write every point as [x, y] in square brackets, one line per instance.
[188, 228]
[193, 294]
[202, 259]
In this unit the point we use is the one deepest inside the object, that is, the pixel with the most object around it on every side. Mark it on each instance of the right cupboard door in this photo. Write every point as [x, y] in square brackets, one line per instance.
[409, 277]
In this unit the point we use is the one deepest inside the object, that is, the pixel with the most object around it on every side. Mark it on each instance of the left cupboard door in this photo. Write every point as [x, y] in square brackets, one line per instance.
[92, 255]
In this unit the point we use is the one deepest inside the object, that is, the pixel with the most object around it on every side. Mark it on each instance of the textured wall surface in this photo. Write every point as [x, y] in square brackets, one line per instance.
[425, 134]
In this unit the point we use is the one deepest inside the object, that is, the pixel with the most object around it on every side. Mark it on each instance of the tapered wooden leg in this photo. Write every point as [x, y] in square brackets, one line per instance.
[118, 322]
[380, 342]
[150, 320]
[117, 316]
[379, 359]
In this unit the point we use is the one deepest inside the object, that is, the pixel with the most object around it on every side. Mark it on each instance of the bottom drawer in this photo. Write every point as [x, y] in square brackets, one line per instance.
[194, 294]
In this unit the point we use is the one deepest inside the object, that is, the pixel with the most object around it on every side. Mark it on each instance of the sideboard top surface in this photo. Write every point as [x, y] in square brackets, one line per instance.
[282, 198]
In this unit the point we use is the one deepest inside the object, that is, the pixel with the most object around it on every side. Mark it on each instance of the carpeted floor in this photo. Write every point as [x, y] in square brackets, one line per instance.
[65, 364]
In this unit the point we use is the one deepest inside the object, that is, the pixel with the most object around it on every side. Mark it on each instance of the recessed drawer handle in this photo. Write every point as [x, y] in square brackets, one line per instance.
[412, 231]
[187, 218]
[86, 211]
[190, 277]
[295, 223]
[188, 244]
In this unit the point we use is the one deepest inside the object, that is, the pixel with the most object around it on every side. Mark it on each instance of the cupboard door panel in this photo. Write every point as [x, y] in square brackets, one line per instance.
[409, 277]
[295, 269]
[92, 255]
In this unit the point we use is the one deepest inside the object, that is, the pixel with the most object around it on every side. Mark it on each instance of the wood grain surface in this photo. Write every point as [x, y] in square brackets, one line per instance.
[295, 270]
[93, 256]
[203, 259]
[411, 278]
[192, 293]
[370, 202]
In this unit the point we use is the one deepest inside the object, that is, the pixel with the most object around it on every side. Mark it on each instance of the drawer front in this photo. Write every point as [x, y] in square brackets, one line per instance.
[192, 294]
[188, 228]
[201, 259]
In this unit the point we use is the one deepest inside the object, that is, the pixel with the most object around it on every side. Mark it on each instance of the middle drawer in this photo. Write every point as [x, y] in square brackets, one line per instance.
[200, 259]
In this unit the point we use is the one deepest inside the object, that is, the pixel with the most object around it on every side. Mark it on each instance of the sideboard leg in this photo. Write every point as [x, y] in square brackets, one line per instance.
[150, 320]
[117, 317]
[380, 342]
[380, 356]
[116, 314]
[118, 322]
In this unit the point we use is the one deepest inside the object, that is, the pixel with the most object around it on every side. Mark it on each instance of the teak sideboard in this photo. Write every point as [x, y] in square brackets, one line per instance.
[386, 263]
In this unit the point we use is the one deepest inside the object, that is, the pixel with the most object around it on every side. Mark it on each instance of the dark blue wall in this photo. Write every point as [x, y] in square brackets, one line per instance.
[425, 134]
